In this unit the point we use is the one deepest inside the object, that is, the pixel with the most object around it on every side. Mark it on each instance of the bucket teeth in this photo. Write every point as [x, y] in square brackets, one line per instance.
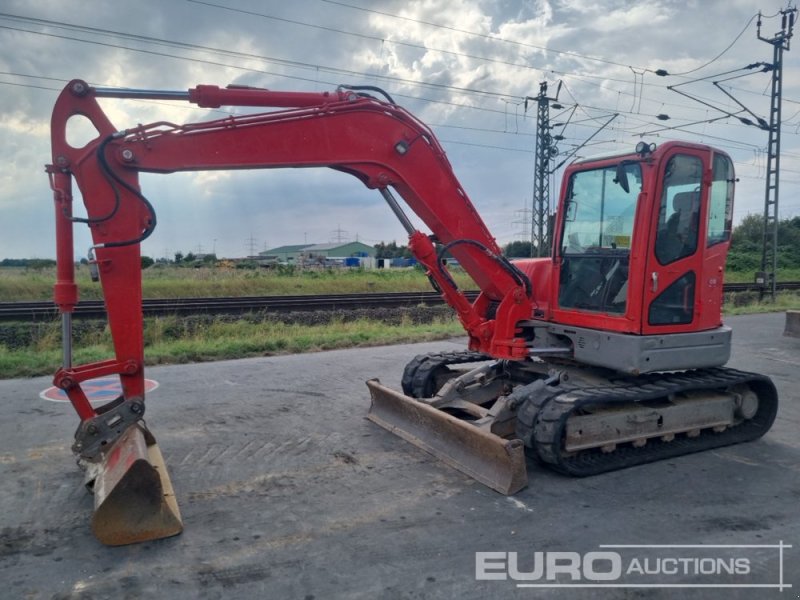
[133, 496]
[496, 462]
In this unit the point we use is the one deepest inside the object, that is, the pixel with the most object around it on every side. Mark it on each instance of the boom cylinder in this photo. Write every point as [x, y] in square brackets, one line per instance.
[212, 96]
[65, 291]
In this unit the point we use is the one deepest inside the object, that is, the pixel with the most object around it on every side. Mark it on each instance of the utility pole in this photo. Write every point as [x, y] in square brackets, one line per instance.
[544, 152]
[251, 244]
[769, 250]
[339, 235]
[524, 220]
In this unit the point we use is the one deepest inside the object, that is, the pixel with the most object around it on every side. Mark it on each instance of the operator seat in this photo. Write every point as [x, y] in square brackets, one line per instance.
[677, 238]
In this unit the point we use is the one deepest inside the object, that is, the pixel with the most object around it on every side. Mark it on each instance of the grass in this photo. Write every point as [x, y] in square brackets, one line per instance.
[749, 304]
[170, 340]
[18, 284]
[750, 276]
[239, 339]
[34, 349]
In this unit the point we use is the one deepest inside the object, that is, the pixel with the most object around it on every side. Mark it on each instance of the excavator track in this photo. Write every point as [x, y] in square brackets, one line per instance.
[420, 375]
[542, 419]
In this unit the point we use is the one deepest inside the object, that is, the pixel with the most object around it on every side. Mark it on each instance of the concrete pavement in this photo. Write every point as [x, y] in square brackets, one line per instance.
[288, 492]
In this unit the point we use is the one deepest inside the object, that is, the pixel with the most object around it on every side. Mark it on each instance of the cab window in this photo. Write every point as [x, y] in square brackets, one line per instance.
[720, 204]
[596, 239]
[679, 211]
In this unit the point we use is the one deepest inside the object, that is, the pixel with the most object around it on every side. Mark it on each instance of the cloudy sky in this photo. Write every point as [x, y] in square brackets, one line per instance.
[464, 67]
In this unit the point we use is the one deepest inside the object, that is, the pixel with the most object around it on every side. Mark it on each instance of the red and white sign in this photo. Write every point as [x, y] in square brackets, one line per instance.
[98, 391]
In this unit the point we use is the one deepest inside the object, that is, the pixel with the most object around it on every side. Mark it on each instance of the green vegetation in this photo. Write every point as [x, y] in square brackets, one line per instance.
[22, 279]
[745, 254]
[518, 250]
[744, 258]
[34, 349]
[27, 350]
[171, 340]
[748, 303]
[169, 281]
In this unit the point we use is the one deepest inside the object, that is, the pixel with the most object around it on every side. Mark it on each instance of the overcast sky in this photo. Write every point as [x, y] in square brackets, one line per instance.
[462, 66]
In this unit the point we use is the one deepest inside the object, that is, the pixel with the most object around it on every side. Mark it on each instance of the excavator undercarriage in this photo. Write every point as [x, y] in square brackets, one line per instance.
[574, 419]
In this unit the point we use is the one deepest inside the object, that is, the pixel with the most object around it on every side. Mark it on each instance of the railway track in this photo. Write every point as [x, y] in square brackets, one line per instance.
[95, 309]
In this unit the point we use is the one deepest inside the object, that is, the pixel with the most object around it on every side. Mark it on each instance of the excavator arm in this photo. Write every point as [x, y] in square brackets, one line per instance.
[378, 142]
[375, 140]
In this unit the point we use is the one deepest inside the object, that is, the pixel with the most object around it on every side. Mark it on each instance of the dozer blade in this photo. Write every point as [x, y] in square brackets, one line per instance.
[133, 496]
[494, 461]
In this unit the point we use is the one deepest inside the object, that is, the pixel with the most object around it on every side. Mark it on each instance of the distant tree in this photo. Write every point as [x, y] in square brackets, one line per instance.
[189, 258]
[178, 257]
[30, 263]
[391, 250]
[749, 233]
[789, 243]
[147, 262]
[517, 249]
[37, 264]
[747, 242]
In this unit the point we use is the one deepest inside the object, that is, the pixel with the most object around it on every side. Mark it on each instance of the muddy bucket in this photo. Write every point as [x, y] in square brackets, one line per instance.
[494, 461]
[133, 496]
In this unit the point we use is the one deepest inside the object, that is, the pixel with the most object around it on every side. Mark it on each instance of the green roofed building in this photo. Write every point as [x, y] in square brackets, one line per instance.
[340, 250]
[285, 254]
[296, 253]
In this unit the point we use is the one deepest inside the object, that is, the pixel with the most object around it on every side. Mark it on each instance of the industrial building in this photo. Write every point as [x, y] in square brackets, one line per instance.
[318, 253]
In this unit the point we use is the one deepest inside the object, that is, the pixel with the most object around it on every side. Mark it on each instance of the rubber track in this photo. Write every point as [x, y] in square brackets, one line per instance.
[418, 376]
[547, 415]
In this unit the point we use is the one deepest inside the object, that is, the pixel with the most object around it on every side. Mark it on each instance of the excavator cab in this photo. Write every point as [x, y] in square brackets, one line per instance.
[640, 247]
[630, 248]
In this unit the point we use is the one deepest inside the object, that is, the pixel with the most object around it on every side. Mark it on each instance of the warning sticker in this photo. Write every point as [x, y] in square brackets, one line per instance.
[98, 391]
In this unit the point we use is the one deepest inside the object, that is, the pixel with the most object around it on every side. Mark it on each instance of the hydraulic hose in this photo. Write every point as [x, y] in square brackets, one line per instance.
[504, 263]
[114, 181]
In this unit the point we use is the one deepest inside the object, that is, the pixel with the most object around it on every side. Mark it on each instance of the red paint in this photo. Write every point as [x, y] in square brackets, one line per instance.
[355, 135]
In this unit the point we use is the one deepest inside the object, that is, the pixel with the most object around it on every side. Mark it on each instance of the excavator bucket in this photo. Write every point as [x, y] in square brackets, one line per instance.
[496, 462]
[133, 496]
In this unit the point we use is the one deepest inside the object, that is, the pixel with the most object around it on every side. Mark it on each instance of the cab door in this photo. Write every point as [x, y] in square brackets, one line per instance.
[683, 280]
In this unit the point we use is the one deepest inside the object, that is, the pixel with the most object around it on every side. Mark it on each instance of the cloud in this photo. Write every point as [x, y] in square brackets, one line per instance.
[467, 76]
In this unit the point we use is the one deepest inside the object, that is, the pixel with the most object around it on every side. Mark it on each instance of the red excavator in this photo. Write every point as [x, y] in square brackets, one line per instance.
[606, 354]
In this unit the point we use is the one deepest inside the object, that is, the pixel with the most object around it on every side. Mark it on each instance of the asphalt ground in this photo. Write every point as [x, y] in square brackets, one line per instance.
[287, 492]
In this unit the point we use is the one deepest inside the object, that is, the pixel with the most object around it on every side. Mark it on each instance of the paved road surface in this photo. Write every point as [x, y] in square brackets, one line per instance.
[288, 492]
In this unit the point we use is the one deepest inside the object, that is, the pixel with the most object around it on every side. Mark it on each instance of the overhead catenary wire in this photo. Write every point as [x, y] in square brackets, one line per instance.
[718, 56]
[298, 64]
[186, 45]
[726, 142]
[632, 130]
[247, 55]
[295, 77]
